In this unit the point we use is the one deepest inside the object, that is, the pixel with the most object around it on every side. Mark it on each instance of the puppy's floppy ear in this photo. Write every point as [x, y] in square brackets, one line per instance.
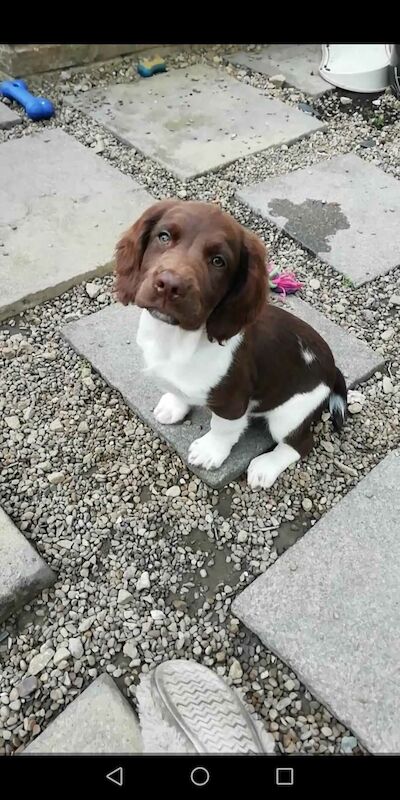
[247, 295]
[131, 248]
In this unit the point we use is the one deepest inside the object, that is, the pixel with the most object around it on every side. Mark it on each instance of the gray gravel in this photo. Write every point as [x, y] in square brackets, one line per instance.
[148, 558]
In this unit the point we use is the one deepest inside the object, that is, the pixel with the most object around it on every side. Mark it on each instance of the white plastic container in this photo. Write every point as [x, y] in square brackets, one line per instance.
[356, 67]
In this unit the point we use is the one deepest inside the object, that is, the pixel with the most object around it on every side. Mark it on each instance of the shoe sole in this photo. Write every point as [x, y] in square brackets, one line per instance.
[204, 709]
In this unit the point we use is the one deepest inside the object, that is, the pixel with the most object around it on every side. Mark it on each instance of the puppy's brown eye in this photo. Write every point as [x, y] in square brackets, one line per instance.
[164, 237]
[218, 261]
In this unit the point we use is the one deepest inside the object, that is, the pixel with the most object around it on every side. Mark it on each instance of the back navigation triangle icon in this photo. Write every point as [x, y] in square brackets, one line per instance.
[116, 776]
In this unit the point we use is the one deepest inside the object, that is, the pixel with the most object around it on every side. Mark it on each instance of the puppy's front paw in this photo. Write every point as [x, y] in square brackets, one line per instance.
[208, 452]
[170, 409]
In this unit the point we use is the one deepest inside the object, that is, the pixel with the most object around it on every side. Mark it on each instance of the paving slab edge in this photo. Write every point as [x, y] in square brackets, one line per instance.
[294, 668]
[51, 292]
[44, 578]
[26, 586]
[108, 684]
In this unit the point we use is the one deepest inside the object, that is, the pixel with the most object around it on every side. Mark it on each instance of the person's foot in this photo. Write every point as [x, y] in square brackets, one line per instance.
[187, 708]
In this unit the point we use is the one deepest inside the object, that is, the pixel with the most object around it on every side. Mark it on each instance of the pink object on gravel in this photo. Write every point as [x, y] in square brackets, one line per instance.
[283, 283]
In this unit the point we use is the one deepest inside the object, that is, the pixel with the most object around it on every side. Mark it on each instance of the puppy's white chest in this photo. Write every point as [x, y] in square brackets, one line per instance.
[184, 362]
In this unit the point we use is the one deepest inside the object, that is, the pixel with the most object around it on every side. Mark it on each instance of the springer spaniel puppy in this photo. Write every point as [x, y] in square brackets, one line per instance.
[209, 335]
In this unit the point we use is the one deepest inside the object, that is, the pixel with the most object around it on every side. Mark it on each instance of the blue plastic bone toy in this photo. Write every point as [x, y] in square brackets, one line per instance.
[35, 107]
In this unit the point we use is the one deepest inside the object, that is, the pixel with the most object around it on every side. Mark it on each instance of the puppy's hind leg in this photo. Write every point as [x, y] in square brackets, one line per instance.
[265, 469]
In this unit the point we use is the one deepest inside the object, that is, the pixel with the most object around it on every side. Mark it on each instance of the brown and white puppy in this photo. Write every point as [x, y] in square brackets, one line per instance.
[209, 335]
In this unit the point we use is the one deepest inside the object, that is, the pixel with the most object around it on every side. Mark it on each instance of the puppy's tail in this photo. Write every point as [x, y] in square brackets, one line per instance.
[338, 401]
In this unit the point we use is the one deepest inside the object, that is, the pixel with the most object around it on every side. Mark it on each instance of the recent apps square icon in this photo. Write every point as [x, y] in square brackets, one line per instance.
[284, 776]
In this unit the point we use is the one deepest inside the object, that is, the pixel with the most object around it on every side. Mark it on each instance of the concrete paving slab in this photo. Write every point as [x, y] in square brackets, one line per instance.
[100, 721]
[62, 209]
[329, 608]
[298, 63]
[23, 573]
[107, 340]
[8, 118]
[344, 210]
[195, 120]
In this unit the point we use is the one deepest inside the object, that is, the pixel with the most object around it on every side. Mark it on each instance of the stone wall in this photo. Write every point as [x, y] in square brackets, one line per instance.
[19, 60]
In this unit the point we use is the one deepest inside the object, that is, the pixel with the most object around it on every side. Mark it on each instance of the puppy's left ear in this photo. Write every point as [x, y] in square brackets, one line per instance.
[248, 294]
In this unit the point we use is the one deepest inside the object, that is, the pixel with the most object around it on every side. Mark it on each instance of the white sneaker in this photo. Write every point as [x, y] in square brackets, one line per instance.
[187, 708]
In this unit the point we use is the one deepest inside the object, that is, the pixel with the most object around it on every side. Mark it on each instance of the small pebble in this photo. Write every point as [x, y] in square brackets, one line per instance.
[61, 655]
[83, 427]
[388, 334]
[327, 446]
[346, 468]
[92, 290]
[157, 614]
[75, 647]
[277, 80]
[348, 744]
[387, 385]
[40, 661]
[235, 670]
[143, 582]
[86, 624]
[124, 597]
[27, 686]
[56, 477]
[173, 491]
[130, 649]
[56, 426]
[13, 423]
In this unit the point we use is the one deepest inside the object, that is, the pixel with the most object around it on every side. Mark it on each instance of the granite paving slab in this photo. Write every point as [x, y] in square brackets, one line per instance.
[107, 340]
[298, 63]
[23, 573]
[196, 119]
[344, 210]
[8, 118]
[330, 608]
[98, 721]
[62, 209]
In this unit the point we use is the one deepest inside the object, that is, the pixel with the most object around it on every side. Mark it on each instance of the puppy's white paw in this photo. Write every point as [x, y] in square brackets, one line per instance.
[170, 409]
[208, 452]
[262, 471]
